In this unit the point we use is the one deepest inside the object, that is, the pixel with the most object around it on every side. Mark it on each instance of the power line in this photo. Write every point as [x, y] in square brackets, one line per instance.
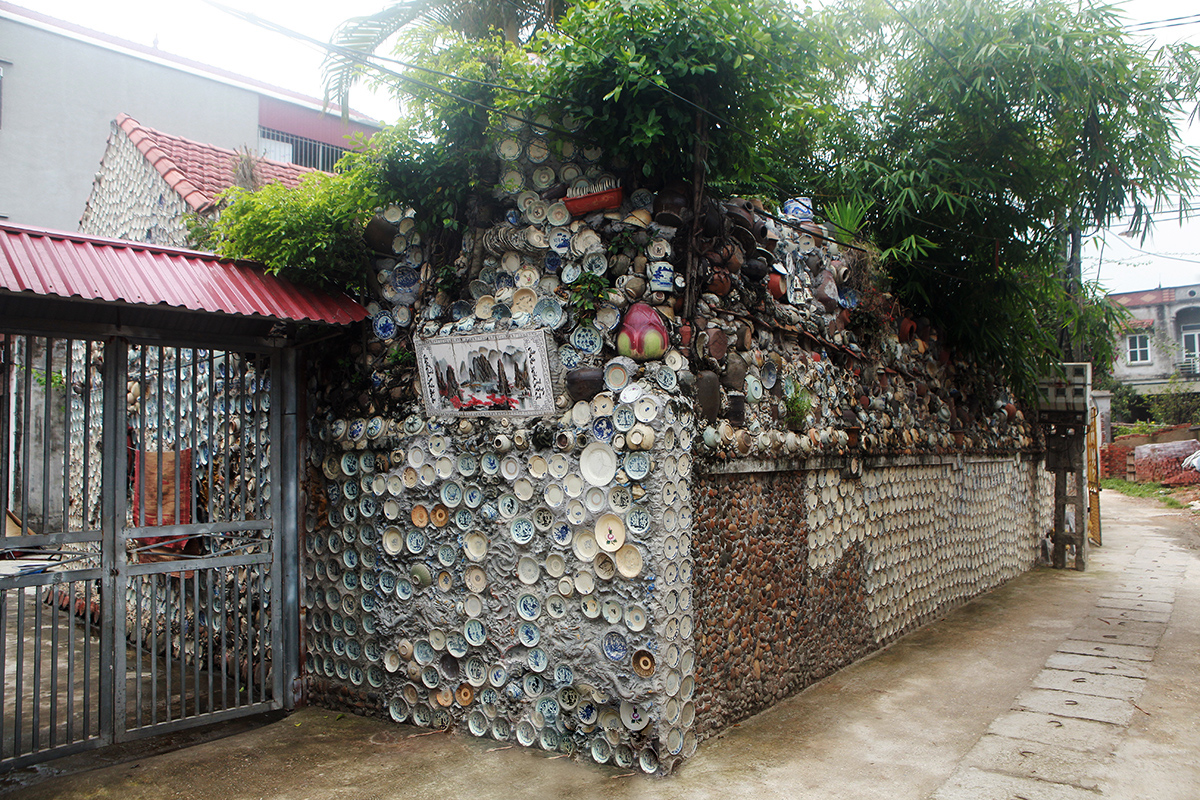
[1162, 255]
[1161, 22]
[365, 60]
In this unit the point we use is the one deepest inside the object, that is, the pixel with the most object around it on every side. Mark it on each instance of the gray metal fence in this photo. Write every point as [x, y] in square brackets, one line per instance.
[140, 584]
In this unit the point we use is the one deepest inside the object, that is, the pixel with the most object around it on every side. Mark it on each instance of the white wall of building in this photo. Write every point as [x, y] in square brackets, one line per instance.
[59, 95]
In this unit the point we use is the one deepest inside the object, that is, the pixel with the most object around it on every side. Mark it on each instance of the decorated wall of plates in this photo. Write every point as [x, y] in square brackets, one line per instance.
[535, 579]
[520, 583]
[834, 565]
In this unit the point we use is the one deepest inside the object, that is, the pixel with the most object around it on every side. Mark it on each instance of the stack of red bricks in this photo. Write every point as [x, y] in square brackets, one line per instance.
[1112, 459]
[1163, 463]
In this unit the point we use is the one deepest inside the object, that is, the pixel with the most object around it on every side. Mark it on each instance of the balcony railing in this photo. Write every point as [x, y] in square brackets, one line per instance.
[1188, 367]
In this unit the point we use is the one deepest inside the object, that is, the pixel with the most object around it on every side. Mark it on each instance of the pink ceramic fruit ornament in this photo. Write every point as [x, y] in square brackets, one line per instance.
[643, 335]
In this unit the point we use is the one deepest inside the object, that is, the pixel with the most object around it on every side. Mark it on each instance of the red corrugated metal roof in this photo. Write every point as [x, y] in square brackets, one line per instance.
[197, 171]
[69, 265]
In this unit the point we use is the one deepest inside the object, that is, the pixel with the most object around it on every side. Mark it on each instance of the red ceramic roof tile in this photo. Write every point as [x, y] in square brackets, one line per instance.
[199, 172]
[1151, 297]
[71, 265]
[1139, 323]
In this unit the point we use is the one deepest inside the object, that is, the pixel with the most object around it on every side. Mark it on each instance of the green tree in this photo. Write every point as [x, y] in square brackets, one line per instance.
[998, 131]
[360, 37]
[647, 78]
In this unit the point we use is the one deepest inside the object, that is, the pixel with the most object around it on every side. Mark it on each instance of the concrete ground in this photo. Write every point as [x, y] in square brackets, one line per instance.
[1056, 686]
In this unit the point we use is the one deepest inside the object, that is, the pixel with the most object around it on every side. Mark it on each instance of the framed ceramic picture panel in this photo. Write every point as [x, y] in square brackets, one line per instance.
[486, 374]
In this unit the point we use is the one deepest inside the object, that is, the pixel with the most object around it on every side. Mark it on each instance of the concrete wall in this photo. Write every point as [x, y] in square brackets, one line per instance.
[61, 93]
[132, 200]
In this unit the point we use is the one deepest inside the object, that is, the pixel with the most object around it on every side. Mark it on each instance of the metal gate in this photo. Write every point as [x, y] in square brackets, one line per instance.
[140, 586]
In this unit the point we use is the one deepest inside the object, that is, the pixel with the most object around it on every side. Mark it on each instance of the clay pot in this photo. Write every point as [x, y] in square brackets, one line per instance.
[671, 206]
[777, 286]
[906, 330]
[720, 284]
[585, 383]
[737, 408]
[826, 291]
[734, 378]
[708, 395]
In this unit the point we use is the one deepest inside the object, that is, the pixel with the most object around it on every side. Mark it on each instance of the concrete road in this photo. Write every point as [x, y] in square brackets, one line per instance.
[1056, 686]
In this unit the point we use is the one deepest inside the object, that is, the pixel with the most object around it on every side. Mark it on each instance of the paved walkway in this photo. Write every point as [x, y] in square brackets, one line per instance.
[1057, 686]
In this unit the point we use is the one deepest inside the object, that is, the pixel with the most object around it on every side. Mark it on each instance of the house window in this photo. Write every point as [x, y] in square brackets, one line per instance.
[1139, 348]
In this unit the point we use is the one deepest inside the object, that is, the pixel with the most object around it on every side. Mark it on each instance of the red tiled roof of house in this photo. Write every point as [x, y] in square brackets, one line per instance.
[199, 172]
[1139, 323]
[1152, 297]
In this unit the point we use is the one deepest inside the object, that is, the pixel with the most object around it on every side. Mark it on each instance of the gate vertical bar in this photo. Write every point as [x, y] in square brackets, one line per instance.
[112, 551]
[285, 476]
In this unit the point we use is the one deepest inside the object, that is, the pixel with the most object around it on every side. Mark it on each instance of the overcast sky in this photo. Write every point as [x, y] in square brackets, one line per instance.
[191, 28]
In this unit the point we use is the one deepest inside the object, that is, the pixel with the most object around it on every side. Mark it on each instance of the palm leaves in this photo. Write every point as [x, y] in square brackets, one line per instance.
[358, 38]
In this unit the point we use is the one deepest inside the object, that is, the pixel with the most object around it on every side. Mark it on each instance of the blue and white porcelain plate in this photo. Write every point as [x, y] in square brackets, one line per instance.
[614, 646]
[475, 634]
[528, 634]
[529, 607]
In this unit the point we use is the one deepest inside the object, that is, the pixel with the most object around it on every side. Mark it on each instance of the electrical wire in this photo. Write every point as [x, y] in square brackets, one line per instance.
[1161, 255]
[1163, 22]
[366, 60]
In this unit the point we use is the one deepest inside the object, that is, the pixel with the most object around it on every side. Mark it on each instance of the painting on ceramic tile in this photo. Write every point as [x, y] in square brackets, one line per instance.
[486, 375]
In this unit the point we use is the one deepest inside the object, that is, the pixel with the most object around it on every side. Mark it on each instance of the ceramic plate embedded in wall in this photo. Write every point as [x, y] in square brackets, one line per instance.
[598, 464]
[559, 465]
[585, 583]
[602, 405]
[528, 634]
[645, 408]
[628, 560]
[624, 418]
[615, 647]
[473, 496]
[543, 518]
[393, 540]
[595, 499]
[635, 618]
[581, 413]
[475, 579]
[585, 545]
[510, 467]
[576, 512]
[637, 465]
[609, 532]
[604, 567]
[521, 530]
[410, 477]
[475, 545]
[562, 534]
[587, 339]
[638, 520]
[569, 356]
[554, 495]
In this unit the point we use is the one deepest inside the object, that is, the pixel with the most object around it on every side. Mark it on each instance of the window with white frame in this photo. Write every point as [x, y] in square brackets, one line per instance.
[1139, 348]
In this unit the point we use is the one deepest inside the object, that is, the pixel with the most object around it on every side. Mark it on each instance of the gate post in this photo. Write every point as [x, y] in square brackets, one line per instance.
[112, 505]
[285, 455]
